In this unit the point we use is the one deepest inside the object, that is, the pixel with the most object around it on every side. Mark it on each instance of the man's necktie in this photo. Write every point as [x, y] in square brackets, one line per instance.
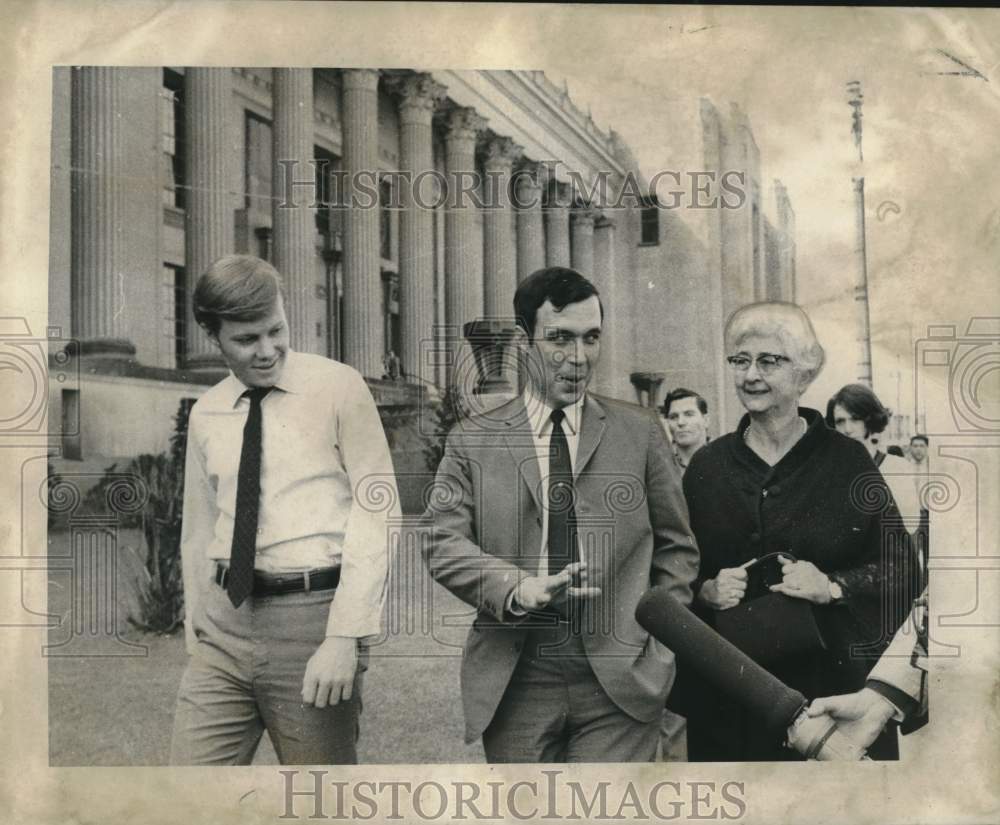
[562, 520]
[239, 584]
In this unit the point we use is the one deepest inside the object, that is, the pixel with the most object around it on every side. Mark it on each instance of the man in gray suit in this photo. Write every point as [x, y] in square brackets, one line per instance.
[551, 516]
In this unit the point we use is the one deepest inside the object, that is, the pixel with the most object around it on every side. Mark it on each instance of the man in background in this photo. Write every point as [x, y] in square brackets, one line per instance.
[919, 445]
[686, 414]
[918, 451]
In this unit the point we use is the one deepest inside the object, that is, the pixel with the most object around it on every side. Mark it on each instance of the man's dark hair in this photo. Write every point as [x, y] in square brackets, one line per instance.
[677, 394]
[921, 437]
[557, 284]
[861, 403]
[896, 450]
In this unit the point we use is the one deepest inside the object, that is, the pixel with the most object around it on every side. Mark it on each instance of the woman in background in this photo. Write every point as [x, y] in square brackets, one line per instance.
[855, 411]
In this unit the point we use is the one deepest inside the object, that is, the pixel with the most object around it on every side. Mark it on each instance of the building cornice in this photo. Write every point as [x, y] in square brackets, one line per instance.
[519, 108]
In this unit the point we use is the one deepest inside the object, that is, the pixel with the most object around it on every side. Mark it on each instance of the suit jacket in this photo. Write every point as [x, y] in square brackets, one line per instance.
[486, 535]
[901, 673]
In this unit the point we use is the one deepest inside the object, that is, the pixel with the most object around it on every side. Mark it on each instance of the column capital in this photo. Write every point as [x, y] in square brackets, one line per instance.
[419, 94]
[528, 185]
[365, 80]
[604, 221]
[532, 169]
[558, 195]
[501, 152]
[419, 90]
[465, 123]
[584, 217]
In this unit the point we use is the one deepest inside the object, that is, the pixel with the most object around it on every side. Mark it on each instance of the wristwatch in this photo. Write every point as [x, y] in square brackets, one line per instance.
[836, 591]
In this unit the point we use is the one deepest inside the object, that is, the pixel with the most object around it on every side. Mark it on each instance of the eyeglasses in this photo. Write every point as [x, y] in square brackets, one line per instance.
[766, 362]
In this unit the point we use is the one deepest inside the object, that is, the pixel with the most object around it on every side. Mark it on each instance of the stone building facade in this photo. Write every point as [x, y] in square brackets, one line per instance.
[156, 172]
[704, 252]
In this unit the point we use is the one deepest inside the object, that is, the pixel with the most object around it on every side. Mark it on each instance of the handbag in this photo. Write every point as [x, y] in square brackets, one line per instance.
[767, 626]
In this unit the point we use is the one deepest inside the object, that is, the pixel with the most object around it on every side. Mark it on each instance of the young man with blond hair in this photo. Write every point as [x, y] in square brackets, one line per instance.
[284, 558]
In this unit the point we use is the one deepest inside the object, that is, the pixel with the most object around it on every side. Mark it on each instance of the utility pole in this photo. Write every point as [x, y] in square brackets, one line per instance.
[854, 100]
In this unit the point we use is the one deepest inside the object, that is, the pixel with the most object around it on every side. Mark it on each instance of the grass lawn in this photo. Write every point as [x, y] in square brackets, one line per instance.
[117, 710]
[114, 710]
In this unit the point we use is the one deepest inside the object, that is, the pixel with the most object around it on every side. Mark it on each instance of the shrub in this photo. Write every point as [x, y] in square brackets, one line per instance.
[160, 589]
[161, 592]
[447, 413]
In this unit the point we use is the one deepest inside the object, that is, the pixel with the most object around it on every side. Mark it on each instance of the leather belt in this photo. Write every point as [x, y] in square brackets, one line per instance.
[275, 584]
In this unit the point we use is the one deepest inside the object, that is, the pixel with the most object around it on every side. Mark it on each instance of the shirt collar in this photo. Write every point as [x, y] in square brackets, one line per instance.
[291, 380]
[539, 413]
[678, 457]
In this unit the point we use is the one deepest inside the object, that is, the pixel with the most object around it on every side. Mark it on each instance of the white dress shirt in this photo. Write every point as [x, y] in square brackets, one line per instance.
[327, 487]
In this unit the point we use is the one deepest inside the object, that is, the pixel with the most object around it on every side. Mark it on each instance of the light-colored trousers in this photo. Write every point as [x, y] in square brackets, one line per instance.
[245, 676]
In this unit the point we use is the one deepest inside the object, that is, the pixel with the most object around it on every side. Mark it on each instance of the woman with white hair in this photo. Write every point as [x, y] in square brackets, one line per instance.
[789, 516]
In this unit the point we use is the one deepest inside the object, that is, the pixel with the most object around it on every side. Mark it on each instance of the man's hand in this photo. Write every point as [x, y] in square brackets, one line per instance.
[727, 589]
[536, 592]
[803, 580]
[330, 672]
[859, 716]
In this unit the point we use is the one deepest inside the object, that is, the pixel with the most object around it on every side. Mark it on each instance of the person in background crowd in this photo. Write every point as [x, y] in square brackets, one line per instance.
[855, 411]
[919, 446]
[686, 414]
[918, 450]
[782, 489]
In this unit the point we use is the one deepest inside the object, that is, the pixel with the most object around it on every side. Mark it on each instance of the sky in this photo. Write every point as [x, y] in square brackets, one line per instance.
[931, 177]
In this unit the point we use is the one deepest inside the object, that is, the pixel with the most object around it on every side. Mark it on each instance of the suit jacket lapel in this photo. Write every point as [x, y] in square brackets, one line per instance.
[591, 431]
[520, 442]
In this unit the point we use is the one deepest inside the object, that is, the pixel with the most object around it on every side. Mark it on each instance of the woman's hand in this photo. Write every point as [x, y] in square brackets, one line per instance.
[803, 580]
[727, 589]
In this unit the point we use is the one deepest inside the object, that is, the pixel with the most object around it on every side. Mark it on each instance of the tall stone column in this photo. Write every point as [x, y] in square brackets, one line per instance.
[462, 264]
[294, 248]
[604, 279]
[363, 313]
[583, 242]
[604, 250]
[418, 96]
[208, 221]
[557, 227]
[499, 256]
[530, 230]
[98, 214]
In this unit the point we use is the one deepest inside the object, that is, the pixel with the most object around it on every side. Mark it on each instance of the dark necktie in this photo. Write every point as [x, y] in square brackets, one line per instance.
[562, 520]
[239, 584]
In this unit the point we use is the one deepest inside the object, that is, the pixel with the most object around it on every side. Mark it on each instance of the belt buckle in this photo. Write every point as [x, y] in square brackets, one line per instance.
[307, 586]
